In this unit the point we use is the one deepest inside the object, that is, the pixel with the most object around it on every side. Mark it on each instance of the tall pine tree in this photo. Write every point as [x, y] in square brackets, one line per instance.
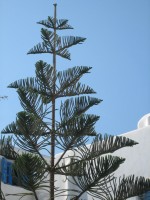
[37, 128]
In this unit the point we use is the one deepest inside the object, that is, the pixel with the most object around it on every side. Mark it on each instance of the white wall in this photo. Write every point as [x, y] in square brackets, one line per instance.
[137, 157]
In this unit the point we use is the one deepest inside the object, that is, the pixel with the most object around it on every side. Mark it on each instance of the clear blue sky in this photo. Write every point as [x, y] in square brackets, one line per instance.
[117, 47]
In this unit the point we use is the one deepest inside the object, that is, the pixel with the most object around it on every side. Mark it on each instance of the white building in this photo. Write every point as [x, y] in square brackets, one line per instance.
[137, 160]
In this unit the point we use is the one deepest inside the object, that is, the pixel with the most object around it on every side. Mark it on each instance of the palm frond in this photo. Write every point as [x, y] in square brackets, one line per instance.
[11, 128]
[34, 86]
[31, 143]
[40, 48]
[65, 43]
[14, 128]
[68, 41]
[73, 168]
[22, 195]
[73, 108]
[127, 187]
[70, 77]
[75, 90]
[72, 134]
[108, 144]
[48, 38]
[105, 145]
[29, 121]
[95, 172]
[63, 24]
[30, 170]
[62, 44]
[31, 130]
[7, 149]
[69, 85]
[49, 23]
[64, 53]
[102, 145]
[28, 132]
[45, 77]
[44, 73]
[60, 24]
[33, 102]
[42, 84]
[83, 125]
[47, 46]
[24, 83]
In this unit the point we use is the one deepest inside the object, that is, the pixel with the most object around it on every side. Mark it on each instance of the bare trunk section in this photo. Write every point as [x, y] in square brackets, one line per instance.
[35, 195]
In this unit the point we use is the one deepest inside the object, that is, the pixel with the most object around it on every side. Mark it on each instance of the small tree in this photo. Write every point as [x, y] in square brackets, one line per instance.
[90, 169]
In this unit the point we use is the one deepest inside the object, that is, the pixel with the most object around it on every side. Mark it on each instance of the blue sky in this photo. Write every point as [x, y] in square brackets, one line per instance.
[117, 47]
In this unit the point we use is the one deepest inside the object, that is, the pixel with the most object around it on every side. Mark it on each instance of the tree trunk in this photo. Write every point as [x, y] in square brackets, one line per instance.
[52, 159]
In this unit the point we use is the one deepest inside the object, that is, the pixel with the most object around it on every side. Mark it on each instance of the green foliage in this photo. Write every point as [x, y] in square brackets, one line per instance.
[30, 171]
[61, 24]
[7, 149]
[126, 187]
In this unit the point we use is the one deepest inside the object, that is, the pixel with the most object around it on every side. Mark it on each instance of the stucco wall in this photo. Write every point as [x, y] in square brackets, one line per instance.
[137, 157]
